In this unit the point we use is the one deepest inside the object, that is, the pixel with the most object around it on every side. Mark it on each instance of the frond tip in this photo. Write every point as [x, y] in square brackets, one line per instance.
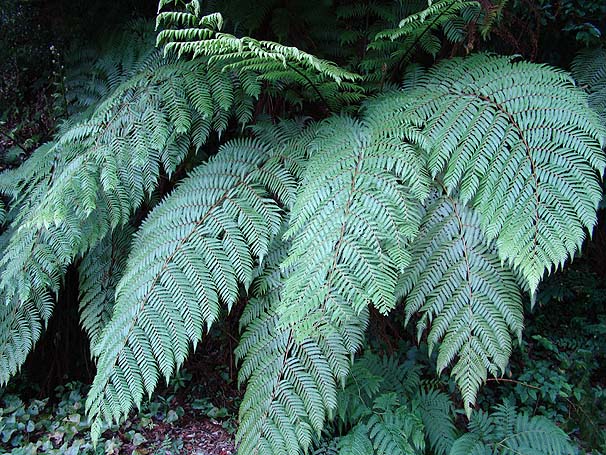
[469, 301]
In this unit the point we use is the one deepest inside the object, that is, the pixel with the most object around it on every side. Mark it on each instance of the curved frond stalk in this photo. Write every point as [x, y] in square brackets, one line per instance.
[291, 383]
[99, 272]
[518, 142]
[192, 252]
[507, 432]
[468, 300]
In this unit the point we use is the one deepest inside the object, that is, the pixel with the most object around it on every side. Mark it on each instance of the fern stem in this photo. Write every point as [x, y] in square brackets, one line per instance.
[310, 82]
[415, 43]
[14, 140]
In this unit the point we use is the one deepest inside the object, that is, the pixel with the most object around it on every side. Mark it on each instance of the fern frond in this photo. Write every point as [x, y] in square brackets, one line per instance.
[435, 409]
[394, 47]
[506, 432]
[191, 253]
[291, 383]
[201, 38]
[421, 25]
[101, 169]
[469, 301]
[517, 141]
[99, 272]
[351, 223]
[189, 34]
[92, 74]
[589, 70]
[396, 432]
[356, 442]
[21, 325]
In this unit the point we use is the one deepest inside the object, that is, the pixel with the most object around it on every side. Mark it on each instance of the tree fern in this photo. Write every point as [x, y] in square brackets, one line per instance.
[435, 409]
[508, 432]
[92, 74]
[73, 192]
[476, 172]
[190, 255]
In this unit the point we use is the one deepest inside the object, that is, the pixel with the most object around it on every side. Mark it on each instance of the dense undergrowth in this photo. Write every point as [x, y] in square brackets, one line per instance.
[557, 372]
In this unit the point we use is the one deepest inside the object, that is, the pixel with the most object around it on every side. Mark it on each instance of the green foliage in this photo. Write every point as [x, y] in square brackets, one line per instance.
[505, 431]
[57, 425]
[480, 176]
[183, 266]
[470, 301]
[386, 410]
[100, 270]
[186, 33]
[422, 30]
[589, 70]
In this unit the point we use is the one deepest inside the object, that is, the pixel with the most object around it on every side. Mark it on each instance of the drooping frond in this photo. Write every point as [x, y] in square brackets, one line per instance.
[191, 254]
[20, 326]
[291, 382]
[350, 227]
[506, 432]
[351, 223]
[589, 70]
[99, 272]
[71, 193]
[468, 300]
[516, 141]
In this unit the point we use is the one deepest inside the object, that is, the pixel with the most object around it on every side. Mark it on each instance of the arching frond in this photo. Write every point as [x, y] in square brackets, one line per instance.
[188, 33]
[71, 193]
[351, 223]
[191, 253]
[517, 141]
[468, 300]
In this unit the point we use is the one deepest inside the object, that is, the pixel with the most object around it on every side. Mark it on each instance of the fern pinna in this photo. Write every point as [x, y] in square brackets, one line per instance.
[447, 199]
